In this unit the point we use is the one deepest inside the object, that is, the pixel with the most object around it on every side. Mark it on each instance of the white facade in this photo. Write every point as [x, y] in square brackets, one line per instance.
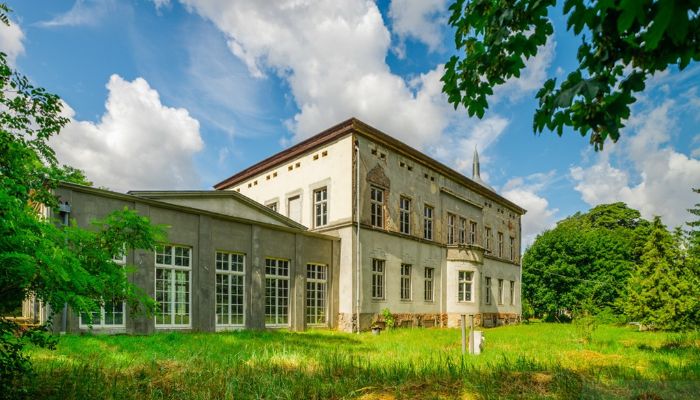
[420, 274]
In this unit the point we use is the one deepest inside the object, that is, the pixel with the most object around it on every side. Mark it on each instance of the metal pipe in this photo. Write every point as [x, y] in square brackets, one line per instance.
[358, 282]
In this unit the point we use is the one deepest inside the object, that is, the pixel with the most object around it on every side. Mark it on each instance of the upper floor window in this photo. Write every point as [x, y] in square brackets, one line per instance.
[451, 228]
[472, 232]
[512, 248]
[464, 285]
[321, 207]
[428, 222]
[294, 208]
[462, 230]
[500, 244]
[376, 207]
[405, 215]
[272, 206]
[487, 239]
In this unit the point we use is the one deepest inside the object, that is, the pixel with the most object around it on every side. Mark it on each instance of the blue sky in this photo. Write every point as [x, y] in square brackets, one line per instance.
[182, 94]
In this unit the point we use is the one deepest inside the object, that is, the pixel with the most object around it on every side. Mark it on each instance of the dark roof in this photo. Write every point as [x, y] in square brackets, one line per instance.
[355, 126]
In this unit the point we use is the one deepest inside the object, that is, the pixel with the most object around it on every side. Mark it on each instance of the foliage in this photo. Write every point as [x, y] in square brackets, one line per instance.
[623, 43]
[586, 256]
[58, 266]
[536, 360]
[389, 320]
[663, 291]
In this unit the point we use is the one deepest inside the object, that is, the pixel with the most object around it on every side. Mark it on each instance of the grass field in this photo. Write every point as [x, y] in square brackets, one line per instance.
[525, 361]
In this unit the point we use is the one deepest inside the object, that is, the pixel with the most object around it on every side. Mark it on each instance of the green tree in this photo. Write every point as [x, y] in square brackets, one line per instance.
[59, 266]
[623, 42]
[662, 292]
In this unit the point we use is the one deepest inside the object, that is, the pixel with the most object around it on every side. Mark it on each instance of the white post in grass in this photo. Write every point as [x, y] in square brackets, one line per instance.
[464, 334]
[471, 333]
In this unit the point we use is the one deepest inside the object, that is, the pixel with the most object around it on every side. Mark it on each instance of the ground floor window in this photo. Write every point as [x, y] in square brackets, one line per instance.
[276, 292]
[316, 289]
[173, 285]
[377, 279]
[111, 314]
[428, 289]
[405, 282]
[230, 288]
[464, 285]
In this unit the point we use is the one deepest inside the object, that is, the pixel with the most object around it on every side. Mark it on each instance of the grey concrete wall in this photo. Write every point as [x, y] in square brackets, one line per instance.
[205, 234]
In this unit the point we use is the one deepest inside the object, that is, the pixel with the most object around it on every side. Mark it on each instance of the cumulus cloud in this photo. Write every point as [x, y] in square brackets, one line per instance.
[643, 170]
[138, 143]
[83, 13]
[332, 56]
[11, 38]
[526, 192]
[418, 19]
[531, 78]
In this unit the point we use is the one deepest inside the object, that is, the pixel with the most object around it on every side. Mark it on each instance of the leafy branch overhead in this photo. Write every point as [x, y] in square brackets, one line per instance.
[623, 43]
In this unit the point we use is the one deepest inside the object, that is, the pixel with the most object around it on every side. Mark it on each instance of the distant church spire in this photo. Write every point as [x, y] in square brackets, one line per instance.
[476, 170]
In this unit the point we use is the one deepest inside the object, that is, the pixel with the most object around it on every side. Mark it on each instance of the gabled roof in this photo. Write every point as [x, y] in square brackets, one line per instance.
[355, 126]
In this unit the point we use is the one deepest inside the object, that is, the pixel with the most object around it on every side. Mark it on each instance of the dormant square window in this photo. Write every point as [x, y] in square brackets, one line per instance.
[377, 279]
[501, 293]
[173, 269]
[487, 239]
[230, 278]
[276, 292]
[316, 289]
[472, 232]
[321, 207]
[428, 286]
[376, 207]
[405, 215]
[464, 285]
[462, 230]
[405, 282]
[500, 244]
[451, 228]
[272, 206]
[488, 290]
[428, 222]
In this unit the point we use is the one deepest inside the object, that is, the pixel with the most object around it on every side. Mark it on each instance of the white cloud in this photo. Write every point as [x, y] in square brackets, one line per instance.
[138, 143]
[11, 38]
[643, 170]
[332, 55]
[531, 78]
[525, 191]
[161, 3]
[83, 13]
[418, 19]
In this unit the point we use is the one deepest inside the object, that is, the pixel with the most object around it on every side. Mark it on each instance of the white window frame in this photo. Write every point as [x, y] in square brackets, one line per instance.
[429, 285]
[316, 311]
[174, 269]
[451, 219]
[406, 292]
[500, 244]
[512, 293]
[320, 207]
[226, 259]
[487, 239]
[487, 285]
[464, 295]
[278, 279]
[102, 313]
[462, 230]
[378, 282]
[501, 293]
[376, 206]
[405, 215]
[473, 229]
[428, 214]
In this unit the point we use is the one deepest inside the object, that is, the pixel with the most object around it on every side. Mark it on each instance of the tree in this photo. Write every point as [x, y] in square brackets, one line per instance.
[662, 292]
[623, 42]
[59, 266]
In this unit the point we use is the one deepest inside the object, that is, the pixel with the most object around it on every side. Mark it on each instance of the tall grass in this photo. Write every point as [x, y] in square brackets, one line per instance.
[525, 361]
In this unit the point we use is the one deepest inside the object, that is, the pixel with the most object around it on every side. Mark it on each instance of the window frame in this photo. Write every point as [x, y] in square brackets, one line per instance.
[512, 248]
[102, 313]
[487, 290]
[501, 293]
[406, 284]
[378, 279]
[405, 215]
[377, 206]
[173, 268]
[429, 284]
[462, 284]
[451, 220]
[487, 239]
[323, 204]
[473, 229]
[500, 244]
[229, 273]
[321, 283]
[277, 278]
[428, 221]
[512, 293]
[462, 230]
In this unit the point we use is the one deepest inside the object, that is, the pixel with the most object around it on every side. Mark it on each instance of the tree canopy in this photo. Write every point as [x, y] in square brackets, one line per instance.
[623, 43]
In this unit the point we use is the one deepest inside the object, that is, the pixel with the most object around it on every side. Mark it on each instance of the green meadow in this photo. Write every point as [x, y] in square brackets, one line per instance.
[536, 360]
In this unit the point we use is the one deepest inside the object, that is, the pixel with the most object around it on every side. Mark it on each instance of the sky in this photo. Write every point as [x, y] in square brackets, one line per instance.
[181, 94]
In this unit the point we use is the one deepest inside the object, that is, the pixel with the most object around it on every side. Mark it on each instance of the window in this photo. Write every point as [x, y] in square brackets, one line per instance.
[377, 279]
[487, 239]
[230, 288]
[316, 288]
[294, 208]
[501, 293]
[428, 286]
[405, 215]
[512, 248]
[377, 207]
[276, 292]
[450, 228]
[111, 314]
[512, 293]
[464, 286]
[500, 244]
[462, 230]
[272, 206]
[428, 222]
[173, 285]
[321, 207]
[472, 232]
[488, 290]
[405, 282]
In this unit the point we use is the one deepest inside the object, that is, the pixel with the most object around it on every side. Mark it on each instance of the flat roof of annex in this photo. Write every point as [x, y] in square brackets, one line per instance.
[357, 127]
